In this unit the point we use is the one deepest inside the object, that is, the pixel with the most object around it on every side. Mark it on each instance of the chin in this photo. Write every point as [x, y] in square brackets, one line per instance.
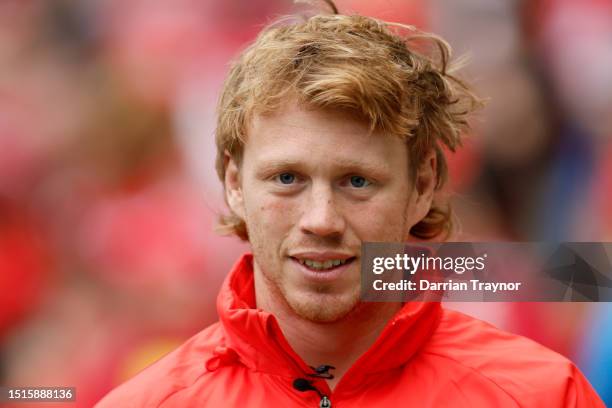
[323, 308]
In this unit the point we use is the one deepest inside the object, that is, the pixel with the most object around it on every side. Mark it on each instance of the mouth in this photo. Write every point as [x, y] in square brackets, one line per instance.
[323, 270]
[322, 266]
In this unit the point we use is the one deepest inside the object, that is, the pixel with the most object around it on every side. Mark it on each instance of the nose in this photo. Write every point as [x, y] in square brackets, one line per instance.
[321, 215]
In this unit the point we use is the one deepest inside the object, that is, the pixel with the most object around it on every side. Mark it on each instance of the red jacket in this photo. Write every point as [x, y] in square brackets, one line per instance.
[426, 356]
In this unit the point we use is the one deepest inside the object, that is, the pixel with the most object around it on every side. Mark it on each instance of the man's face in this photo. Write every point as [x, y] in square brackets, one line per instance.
[312, 186]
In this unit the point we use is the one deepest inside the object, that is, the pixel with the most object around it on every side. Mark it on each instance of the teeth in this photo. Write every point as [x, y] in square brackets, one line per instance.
[322, 265]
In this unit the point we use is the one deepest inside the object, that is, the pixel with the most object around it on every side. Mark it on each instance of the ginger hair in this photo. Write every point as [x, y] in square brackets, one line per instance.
[394, 76]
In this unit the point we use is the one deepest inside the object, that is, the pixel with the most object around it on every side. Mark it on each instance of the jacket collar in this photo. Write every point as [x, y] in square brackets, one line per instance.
[257, 339]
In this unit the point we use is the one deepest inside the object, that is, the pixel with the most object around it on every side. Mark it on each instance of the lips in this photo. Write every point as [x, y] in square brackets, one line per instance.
[322, 265]
[323, 269]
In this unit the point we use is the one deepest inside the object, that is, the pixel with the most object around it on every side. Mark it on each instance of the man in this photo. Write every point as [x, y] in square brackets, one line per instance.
[330, 134]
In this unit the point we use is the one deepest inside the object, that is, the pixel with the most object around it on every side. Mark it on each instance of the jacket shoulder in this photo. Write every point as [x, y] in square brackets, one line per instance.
[517, 366]
[175, 371]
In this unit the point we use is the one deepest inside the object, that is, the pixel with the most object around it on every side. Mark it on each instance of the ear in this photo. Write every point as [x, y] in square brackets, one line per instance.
[233, 188]
[425, 185]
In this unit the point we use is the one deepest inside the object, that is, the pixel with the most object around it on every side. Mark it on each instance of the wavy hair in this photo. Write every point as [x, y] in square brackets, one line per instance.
[397, 78]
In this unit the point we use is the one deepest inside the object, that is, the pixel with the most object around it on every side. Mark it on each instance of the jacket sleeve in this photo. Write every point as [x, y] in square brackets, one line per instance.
[580, 393]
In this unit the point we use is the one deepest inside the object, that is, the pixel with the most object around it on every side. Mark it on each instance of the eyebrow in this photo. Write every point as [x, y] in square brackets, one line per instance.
[349, 164]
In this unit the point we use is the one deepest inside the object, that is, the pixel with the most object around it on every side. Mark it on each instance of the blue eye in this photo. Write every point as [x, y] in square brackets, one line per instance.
[286, 178]
[359, 182]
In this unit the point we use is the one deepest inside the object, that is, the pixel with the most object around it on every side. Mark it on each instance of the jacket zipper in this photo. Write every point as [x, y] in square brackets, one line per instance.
[325, 402]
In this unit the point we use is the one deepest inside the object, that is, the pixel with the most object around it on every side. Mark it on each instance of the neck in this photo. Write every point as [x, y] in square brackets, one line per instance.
[339, 343]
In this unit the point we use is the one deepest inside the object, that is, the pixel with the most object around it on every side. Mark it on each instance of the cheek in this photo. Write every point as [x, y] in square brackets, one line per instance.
[383, 219]
[270, 216]
[269, 222]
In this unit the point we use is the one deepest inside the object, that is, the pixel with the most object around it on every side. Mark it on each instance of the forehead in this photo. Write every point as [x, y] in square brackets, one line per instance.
[298, 133]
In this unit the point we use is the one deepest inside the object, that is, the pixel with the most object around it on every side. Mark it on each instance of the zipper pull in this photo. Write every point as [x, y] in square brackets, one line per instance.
[325, 402]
